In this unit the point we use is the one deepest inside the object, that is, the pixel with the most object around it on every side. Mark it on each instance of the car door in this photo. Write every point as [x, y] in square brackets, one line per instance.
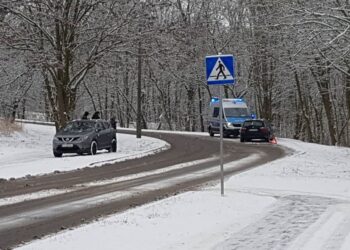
[106, 134]
[110, 132]
[101, 141]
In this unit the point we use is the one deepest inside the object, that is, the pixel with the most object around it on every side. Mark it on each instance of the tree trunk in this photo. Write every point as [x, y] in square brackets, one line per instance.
[127, 90]
[189, 116]
[303, 107]
[322, 78]
[200, 104]
[347, 91]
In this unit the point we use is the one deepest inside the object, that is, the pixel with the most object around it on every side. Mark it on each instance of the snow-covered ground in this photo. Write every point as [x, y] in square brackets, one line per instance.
[30, 152]
[299, 202]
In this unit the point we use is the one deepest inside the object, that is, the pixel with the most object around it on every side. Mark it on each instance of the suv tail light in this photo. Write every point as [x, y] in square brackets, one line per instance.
[264, 130]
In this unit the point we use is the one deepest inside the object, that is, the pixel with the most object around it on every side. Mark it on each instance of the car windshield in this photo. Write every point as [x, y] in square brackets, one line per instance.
[79, 126]
[236, 112]
[253, 123]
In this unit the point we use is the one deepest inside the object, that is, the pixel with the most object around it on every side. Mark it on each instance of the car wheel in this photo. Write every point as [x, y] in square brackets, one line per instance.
[57, 154]
[267, 139]
[93, 148]
[242, 139]
[113, 147]
[211, 132]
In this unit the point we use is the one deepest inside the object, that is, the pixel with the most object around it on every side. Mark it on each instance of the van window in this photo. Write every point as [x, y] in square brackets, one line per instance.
[236, 112]
[216, 112]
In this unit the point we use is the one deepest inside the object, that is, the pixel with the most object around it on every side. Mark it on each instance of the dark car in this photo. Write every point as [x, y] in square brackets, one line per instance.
[256, 129]
[85, 136]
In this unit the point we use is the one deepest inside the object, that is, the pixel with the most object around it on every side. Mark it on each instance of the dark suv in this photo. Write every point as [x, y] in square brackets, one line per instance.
[85, 136]
[256, 129]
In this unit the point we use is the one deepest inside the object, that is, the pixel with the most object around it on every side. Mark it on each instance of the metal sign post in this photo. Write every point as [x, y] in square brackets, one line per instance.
[220, 71]
[221, 113]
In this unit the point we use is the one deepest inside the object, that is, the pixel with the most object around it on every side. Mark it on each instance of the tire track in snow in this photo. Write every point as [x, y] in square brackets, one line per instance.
[282, 224]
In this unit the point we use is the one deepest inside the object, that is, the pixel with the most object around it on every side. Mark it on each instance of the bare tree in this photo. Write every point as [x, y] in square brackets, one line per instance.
[65, 39]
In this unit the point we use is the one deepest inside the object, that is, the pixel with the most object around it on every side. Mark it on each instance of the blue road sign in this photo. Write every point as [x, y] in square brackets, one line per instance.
[220, 69]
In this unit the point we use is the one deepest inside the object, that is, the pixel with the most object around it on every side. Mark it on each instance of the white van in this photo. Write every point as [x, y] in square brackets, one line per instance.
[235, 112]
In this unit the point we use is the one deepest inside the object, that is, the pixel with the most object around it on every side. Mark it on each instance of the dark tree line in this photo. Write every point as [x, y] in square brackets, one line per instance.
[64, 57]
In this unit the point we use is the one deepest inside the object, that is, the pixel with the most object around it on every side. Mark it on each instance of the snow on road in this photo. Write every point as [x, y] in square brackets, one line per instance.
[299, 202]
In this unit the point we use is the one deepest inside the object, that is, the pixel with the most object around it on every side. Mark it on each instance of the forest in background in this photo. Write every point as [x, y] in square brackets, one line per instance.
[60, 58]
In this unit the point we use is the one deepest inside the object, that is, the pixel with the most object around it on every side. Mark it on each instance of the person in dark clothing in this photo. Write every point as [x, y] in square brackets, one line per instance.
[96, 115]
[85, 115]
[113, 122]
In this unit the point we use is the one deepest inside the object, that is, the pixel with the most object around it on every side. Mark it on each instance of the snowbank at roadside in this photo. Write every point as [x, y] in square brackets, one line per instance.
[311, 169]
[29, 152]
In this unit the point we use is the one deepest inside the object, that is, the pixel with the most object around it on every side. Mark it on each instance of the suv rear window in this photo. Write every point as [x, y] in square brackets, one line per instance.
[254, 123]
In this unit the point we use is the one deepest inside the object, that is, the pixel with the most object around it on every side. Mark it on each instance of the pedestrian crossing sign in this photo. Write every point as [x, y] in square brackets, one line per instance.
[220, 69]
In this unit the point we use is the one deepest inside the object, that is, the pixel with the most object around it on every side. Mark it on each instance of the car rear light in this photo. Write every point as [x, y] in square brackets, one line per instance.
[243, 129]
[264, 130]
